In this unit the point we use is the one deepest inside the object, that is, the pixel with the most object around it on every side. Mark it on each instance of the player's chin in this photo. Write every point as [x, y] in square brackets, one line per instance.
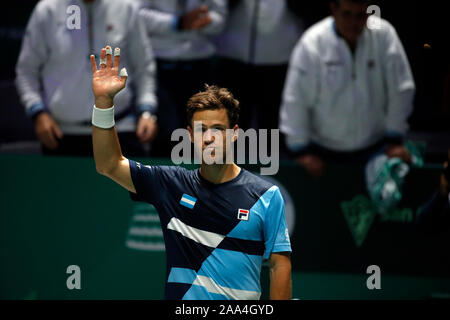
[209, 159]
[212, 159]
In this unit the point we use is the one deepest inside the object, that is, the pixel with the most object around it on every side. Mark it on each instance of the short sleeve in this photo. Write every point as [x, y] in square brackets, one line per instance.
[148, 182]
[276, 234]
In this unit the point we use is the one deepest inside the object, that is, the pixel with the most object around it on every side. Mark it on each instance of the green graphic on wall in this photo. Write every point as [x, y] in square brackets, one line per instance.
[359, 215]
[145, 233]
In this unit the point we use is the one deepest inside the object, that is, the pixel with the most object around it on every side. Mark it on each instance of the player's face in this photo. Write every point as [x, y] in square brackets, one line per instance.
[209, 134]
[350, 18]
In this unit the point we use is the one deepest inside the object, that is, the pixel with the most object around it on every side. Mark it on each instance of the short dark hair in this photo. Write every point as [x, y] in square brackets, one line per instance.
[212, 98]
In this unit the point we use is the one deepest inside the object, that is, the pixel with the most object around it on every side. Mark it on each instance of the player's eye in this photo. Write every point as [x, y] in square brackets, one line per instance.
[217, 130]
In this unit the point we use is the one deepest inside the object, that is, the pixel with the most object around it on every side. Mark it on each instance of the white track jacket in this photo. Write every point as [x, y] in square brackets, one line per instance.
[344, 102]
[160, 18]
[54, 70]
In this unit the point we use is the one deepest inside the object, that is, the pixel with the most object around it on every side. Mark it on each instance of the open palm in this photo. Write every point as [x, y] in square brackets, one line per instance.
[106, 82]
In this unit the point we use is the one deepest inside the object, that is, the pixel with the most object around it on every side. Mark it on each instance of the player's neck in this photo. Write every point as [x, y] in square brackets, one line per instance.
[219, 173]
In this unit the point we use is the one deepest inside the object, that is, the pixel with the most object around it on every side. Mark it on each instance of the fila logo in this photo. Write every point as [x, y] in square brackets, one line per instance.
[243, 214]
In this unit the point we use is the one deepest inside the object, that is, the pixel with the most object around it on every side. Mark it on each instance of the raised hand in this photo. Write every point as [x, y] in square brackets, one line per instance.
[106, 82]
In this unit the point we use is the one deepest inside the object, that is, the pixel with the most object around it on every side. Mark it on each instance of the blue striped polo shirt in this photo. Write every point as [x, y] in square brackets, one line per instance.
[216, 235]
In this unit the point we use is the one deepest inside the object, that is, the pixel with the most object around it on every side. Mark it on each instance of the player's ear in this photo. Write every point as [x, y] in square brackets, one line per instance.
[191, 133]
[236, 132]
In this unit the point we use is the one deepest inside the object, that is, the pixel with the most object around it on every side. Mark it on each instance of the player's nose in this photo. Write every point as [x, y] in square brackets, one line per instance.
[208, 137]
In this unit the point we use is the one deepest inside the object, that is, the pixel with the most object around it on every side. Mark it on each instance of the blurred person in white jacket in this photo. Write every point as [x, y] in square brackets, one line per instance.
[254, 52]
[349, 90]
[181, 32]
[54, 80]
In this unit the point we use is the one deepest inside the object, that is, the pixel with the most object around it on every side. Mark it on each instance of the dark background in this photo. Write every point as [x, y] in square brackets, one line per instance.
[322, 239]
[417, 23]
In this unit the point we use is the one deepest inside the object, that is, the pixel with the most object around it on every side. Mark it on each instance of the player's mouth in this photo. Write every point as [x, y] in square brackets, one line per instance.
[210, 147]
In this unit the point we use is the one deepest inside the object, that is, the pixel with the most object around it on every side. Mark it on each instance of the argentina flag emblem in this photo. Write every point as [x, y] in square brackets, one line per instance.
[188, 201]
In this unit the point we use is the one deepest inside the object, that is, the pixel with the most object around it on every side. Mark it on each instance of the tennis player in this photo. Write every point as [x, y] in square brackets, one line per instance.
[219, 221]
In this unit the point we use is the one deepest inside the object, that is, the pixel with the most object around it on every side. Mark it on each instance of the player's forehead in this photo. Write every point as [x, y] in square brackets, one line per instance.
[211, 118]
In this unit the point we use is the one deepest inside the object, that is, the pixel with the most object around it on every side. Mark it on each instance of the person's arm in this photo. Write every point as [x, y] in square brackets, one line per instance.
[299, 95]
[400, 85]
[157, 22]
[217, 14]
[277, 245]
[141, 61]
[400, 90]
[33, 54]
[209, 18]
[280, 276]
[142, 64]
[108, 157]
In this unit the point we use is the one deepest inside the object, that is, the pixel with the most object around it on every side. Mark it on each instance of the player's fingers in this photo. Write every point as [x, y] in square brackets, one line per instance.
[147, 135]
[149, 132]
[57, 131]
[93, 64]
[50, 140]
[103, 59]
[108, 57]
[140, 129]
[153, 133]
[123, 76]
[201, 22]
[207, 20]
[116, 58]
[203, 9]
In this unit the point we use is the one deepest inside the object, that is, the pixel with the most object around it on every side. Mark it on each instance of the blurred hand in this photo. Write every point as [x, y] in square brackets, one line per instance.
[314, 165]
[47, 131]
[105, 81]
[196, 19]
[146, 129]
[398, 151]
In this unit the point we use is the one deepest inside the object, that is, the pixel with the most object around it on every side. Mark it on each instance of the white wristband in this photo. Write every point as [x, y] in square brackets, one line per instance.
[103, 118]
